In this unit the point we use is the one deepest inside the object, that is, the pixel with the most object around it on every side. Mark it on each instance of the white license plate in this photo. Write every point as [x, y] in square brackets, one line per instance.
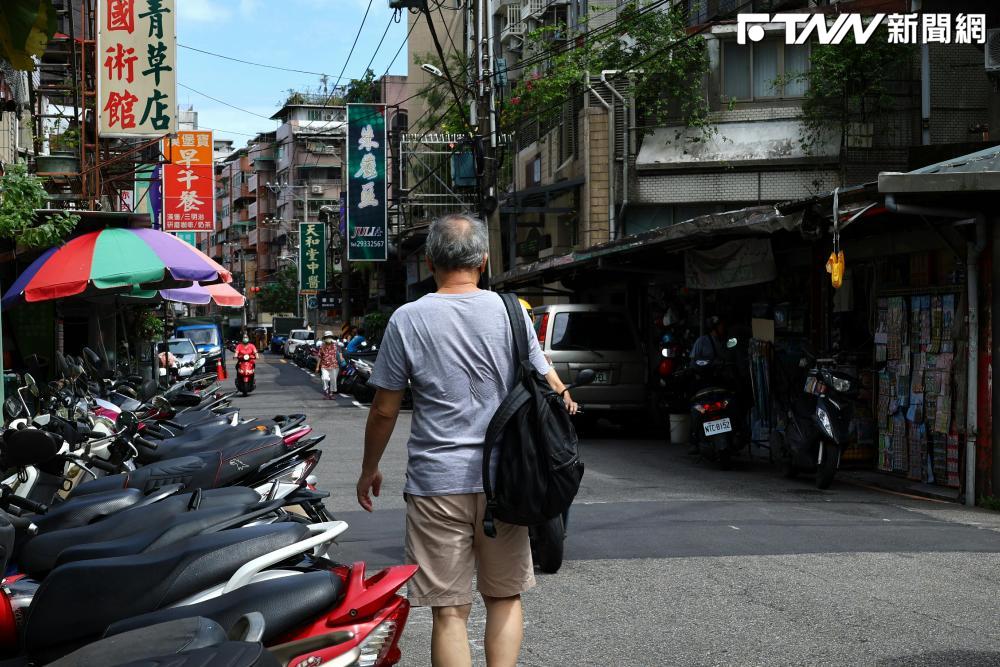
[717, 426]
[602, 377]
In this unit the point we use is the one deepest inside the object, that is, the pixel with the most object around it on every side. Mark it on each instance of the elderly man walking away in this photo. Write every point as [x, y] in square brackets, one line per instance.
[454, 348]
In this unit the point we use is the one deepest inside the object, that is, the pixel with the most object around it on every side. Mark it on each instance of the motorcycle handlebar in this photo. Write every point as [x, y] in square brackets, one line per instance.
[101, 464]
[27, 505]
[151, 446]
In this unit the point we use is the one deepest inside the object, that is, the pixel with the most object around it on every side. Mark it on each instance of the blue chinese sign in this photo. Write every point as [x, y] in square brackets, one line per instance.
[367, 208]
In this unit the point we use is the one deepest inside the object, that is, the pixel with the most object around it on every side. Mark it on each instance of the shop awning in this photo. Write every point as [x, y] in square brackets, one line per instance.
[743, 144]
[975, 172]
[753, 221]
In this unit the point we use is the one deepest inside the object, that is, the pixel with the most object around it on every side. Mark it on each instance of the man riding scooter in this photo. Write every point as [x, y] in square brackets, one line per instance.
[246, 361]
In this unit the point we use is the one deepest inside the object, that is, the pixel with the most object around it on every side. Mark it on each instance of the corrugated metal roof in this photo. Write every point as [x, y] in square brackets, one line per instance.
[985, 160]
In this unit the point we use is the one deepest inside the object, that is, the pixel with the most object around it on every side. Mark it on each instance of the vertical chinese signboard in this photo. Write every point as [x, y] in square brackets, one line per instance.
[136, 85]
[189, 184]
[367, 212]
[312, 257]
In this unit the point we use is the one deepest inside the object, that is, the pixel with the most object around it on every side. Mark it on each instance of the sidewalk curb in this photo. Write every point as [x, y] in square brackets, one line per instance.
[906, 487]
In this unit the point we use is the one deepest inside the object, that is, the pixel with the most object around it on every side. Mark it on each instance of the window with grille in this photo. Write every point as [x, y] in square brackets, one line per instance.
[761, 71]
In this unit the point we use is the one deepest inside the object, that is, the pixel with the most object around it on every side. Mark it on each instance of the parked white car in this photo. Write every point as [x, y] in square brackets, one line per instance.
[187, 355]
[295, 338]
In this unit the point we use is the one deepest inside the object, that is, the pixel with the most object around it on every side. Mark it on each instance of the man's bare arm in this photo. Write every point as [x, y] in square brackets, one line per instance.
[381, 422]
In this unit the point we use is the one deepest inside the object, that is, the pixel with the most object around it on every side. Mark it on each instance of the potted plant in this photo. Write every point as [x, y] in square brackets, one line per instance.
[63, 157]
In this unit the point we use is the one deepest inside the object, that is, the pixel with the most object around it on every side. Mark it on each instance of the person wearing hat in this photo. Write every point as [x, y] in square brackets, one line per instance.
[328, 364]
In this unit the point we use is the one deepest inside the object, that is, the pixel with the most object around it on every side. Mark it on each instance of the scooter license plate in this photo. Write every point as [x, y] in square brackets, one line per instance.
[718, 426]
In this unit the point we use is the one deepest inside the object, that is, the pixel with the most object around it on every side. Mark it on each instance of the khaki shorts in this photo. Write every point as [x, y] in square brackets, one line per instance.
[444, 537]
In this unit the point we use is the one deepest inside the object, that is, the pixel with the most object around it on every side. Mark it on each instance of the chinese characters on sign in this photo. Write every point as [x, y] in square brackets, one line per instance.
[136, 48]
[913, 28]
[189, 184]
[312, 257]
[367, 210]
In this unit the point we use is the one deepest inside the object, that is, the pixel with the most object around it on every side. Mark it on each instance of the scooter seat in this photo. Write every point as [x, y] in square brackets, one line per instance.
[165, 639]
[230, 654]
[708, 392]
[254, 431]
[285, 603]
[97, 593]
[134, 530]
[87, 508]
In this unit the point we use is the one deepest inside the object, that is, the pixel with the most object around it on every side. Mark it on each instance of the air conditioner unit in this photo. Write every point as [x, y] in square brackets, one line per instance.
[993, 50]
[316, 189]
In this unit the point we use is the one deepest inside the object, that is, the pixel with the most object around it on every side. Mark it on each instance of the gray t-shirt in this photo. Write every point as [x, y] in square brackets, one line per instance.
[457, 352]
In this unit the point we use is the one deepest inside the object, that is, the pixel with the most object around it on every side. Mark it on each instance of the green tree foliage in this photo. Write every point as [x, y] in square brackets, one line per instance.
[849, 83]
[21, 195]
[669, 81]
[363, 91]
[281, 295]
[26, 26]
[443, 114]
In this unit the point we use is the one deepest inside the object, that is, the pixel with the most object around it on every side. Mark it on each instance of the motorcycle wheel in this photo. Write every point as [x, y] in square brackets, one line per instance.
[826, 467]
[547, 542]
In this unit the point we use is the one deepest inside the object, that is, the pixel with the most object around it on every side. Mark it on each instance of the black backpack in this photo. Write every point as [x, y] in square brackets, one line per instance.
[538, 467]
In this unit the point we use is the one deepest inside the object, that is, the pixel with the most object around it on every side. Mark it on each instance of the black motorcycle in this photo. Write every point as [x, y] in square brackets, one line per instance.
[718, 424]
[817, 422]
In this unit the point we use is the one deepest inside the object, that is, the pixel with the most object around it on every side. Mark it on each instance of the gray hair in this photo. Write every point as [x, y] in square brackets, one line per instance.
[457, 241]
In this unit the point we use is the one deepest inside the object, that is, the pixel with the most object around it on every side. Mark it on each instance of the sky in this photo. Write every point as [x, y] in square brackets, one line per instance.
[312, 35]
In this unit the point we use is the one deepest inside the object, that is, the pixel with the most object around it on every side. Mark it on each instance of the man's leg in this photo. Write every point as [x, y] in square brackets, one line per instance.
[450, 637]
[504, 571]
[504, 630]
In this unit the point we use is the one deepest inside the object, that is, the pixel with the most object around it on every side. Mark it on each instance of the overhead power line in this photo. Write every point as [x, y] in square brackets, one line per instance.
[215, 99]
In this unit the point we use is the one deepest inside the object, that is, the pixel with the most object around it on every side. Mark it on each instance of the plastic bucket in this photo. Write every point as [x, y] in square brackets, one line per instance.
[680, 426]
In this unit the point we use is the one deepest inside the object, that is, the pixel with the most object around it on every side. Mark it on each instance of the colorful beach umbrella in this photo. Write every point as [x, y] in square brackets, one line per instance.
[221, 294]
[115, 259]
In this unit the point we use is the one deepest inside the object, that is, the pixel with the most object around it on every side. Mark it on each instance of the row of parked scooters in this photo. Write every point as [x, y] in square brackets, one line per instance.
[354, 373]
[144, 526]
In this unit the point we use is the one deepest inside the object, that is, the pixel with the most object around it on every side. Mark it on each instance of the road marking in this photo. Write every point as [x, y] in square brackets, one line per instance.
[734, 527]
[886, 520]
[358, 405]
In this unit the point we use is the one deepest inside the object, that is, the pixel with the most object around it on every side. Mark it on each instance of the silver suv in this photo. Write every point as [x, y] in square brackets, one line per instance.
[578, 336]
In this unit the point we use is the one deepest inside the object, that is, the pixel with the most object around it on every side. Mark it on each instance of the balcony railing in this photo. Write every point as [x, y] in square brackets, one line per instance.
[532, 9]
[513, 25]
[252, 183]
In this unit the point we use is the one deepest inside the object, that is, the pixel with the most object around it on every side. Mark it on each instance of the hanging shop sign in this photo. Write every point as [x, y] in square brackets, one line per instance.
[136, 54]
[731, 264]
[367, 206]
[190, 147]
[312, 257]
[188, 197]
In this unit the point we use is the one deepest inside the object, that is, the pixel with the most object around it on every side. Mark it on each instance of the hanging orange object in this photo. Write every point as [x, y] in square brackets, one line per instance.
[835, 267]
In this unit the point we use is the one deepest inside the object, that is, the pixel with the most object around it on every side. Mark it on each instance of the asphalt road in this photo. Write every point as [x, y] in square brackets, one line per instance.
[671, 562]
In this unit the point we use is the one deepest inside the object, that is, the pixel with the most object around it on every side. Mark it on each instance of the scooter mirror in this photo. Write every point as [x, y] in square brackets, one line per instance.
[12, 408]
[128, 422]
[731, 343]
[586, 376]
[30, 383]
[160, 403]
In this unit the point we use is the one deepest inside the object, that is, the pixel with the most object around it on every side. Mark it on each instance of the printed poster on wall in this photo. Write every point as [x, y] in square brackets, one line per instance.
[136, 57]
[312, 257]
[367, 206]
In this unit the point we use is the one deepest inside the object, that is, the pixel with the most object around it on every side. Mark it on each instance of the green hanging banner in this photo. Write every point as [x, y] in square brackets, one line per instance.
[367, 205]
[312, 257]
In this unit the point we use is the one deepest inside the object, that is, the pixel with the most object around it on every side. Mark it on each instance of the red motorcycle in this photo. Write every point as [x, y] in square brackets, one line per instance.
[246, 366]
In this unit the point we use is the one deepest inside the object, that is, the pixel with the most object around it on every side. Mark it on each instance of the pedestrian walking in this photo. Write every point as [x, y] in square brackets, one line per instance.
[328, 364]
[453, 348]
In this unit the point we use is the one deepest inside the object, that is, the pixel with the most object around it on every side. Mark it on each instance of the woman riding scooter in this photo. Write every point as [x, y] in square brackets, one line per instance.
[245, 367]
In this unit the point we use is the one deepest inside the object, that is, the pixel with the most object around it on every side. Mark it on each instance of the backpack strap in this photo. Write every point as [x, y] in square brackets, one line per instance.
[515, 314]
[514, 401]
